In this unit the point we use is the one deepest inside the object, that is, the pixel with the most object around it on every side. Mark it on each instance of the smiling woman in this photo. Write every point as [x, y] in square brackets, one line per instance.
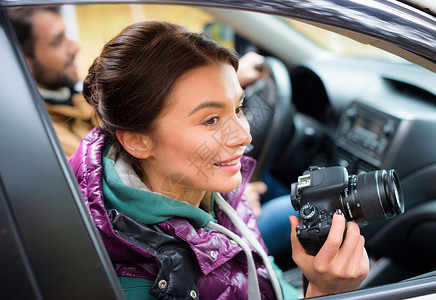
[202, 135]
[165, 174]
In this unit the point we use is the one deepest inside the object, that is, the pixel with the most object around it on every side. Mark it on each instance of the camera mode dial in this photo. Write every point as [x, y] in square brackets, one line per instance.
[308, 212]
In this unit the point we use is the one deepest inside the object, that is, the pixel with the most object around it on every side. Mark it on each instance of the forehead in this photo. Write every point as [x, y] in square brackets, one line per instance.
[47, 24]
[219, 78]
[216, 82]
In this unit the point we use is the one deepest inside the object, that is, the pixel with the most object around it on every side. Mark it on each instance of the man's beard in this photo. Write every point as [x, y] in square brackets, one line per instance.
[51, 80]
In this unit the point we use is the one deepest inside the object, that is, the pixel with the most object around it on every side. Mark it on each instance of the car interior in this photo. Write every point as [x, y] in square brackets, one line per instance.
[364, 114]
[316, 107]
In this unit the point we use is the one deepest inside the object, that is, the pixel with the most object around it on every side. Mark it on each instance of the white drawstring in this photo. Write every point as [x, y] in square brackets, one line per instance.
[237, 221]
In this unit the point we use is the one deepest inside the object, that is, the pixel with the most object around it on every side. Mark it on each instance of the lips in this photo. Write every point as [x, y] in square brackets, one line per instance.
[229, 163]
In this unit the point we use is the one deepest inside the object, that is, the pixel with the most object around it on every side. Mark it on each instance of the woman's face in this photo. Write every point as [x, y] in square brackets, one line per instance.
[201, 135]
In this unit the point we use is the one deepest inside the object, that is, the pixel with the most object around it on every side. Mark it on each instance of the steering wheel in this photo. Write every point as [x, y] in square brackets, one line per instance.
[270, 114]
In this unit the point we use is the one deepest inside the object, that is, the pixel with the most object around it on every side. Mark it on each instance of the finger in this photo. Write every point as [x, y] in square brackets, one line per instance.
[351, 241]
[259, 187]
[255, 205]
[365, 260]
[350, 254]
[254, 57]
[334, 239]
[297, 248]
[357, 266]
[360, 257]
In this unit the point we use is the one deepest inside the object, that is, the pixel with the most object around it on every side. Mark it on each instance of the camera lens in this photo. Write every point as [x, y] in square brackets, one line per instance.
[373, 196]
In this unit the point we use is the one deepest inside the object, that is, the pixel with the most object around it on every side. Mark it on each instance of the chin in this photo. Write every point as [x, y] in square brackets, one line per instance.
[231, 186]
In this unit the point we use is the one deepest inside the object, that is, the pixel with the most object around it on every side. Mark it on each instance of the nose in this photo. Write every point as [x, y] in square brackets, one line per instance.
[73, 47]
[236, 133]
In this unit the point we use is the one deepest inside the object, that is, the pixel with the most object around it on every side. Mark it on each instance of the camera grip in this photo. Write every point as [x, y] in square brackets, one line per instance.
[312, 239]
[312, 232]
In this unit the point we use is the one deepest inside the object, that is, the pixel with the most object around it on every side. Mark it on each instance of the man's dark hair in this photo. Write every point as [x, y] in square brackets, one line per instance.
[22, 21]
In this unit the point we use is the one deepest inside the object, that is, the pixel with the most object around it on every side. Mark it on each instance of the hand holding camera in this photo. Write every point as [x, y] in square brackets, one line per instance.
[362, 198]
[341, 264]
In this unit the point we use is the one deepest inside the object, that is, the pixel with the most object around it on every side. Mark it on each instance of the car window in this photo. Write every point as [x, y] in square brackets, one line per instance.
[91, 36]
[353, 105]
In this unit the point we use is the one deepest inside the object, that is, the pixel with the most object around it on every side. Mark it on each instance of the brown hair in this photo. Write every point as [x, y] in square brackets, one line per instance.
[130, 82]
[22, 21]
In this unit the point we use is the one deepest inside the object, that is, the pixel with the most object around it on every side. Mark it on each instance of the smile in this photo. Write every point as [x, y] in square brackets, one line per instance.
[228, 163]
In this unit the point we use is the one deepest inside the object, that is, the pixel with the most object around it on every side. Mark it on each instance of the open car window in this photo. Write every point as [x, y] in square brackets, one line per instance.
[352, 105]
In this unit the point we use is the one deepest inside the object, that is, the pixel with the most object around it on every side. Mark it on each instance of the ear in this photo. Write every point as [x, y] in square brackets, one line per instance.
[137, 145]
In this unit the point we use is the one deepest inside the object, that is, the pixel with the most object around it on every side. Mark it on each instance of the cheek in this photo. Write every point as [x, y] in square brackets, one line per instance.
[245, 124]
[50, 60]
[54, 58]
[184, 147]
[194, 158]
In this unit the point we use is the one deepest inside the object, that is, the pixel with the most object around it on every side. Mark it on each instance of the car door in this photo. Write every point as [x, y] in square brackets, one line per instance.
[49, 247]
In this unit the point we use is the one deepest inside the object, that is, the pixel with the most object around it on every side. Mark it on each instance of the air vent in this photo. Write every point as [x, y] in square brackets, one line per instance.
[411, 90]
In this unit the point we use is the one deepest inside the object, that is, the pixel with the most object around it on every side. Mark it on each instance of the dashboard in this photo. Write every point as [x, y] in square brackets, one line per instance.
[363, 137]
[365, 115]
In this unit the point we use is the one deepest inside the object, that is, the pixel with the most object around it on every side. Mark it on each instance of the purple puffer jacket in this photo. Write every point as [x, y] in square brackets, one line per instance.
[222, 263]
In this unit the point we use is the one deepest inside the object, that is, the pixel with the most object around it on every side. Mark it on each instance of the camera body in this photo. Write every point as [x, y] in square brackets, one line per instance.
[362, 198]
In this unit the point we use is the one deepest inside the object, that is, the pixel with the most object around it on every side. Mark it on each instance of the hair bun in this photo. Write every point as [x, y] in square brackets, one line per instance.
[90, 86]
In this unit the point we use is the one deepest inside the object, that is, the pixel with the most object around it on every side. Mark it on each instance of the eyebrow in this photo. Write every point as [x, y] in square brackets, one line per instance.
[206, 105]
[215, 104]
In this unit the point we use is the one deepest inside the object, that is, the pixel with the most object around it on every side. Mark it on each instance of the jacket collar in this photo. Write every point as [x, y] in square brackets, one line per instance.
[137, 201]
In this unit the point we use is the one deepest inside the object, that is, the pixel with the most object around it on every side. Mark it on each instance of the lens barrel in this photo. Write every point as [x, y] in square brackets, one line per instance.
[373, 196]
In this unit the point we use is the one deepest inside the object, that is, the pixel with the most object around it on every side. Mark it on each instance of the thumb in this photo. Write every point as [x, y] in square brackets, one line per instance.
[296, 245]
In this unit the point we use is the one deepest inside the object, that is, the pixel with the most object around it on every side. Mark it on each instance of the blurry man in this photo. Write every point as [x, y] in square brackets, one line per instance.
[50, 55]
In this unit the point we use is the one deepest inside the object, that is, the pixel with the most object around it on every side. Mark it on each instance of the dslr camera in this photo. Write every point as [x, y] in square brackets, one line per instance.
[363, 198]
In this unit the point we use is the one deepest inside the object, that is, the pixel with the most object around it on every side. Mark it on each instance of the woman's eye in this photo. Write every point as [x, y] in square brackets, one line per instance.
[240, 110]
[212, 121]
